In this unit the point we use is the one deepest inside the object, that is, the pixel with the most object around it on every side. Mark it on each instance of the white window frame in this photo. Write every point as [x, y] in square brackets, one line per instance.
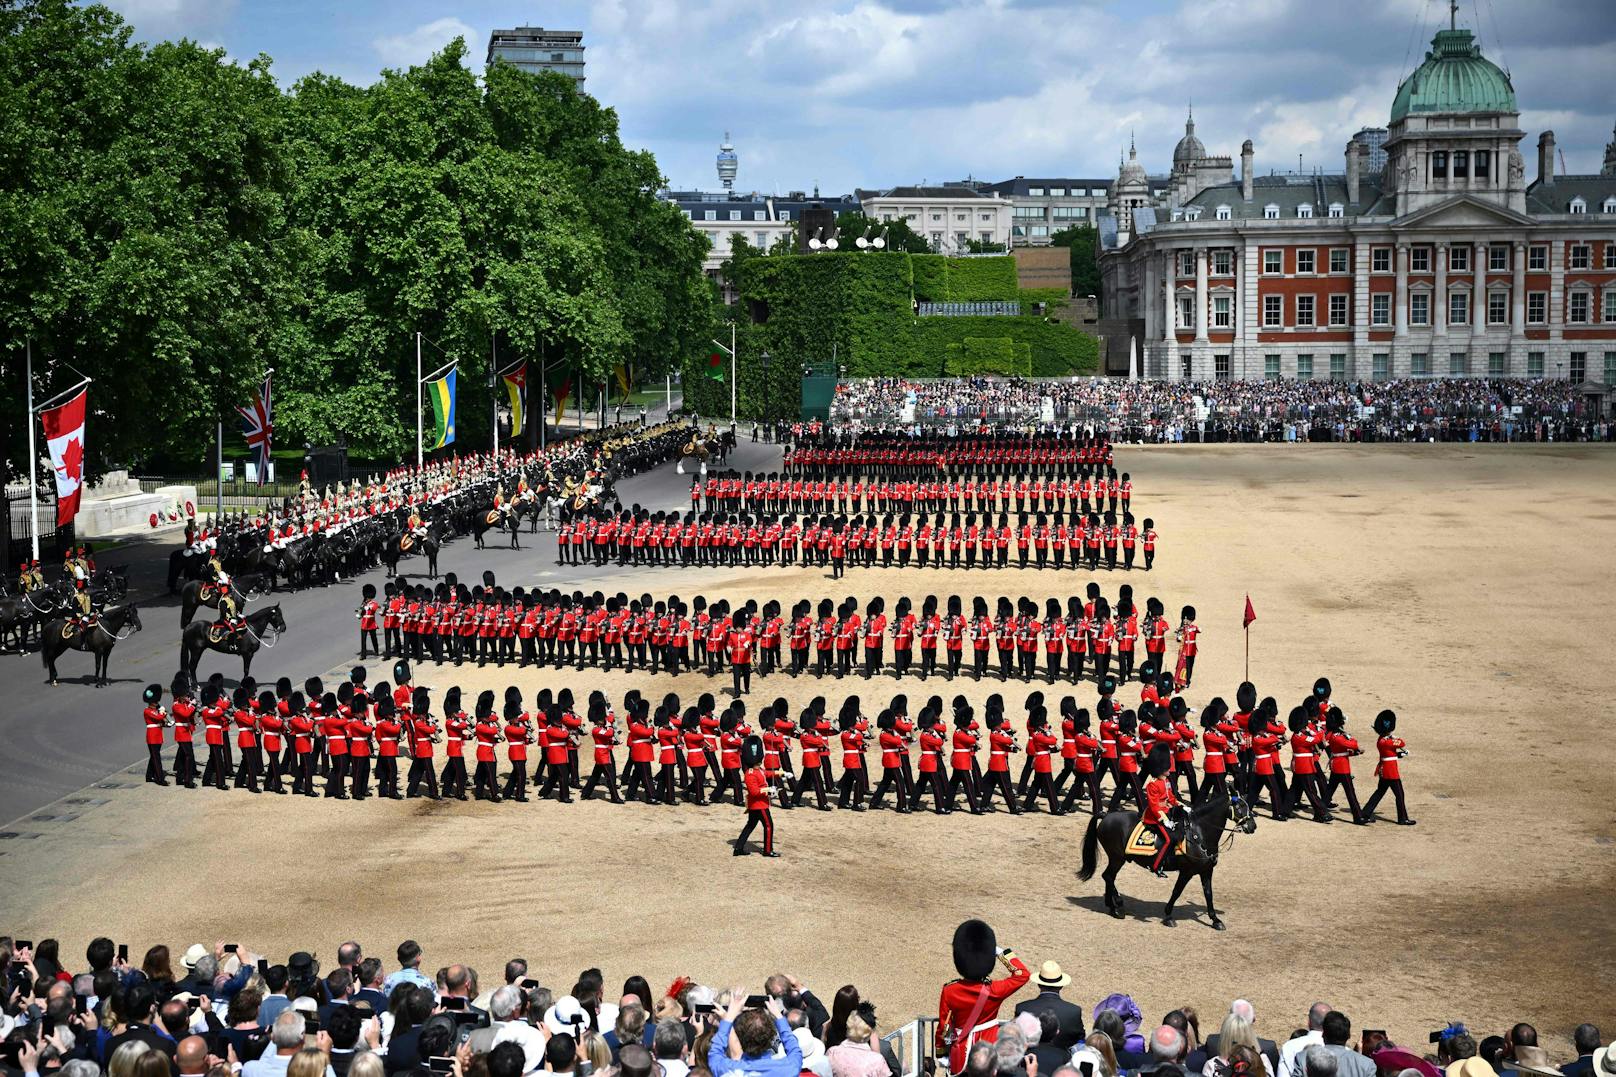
[1537, 258]
[1495, 263]
[1222, 262]
[1305, 357]
[1312, 261]
[1223, 318]
[1459, 299]
[1580, 257]
[1610, 254]
[1337, 210]
[1414, 316]
[1185, 314]
[1273, 312]
[1608, 305]
[1577, 206]
[1495, 295]
[1273, 262]
[1305, 211]
[1375, 255]
[1341, 300]
[1312, 305]
[1345, 254]
[1419, 259]
[1270, 212]
[734, 214]
[1186, 264]
[1541, 301]
[1273, 367]
[1462, 253]
[1380, 308]
[1222, 213]
[1586, 297]
[1608, 206]
[709, 215]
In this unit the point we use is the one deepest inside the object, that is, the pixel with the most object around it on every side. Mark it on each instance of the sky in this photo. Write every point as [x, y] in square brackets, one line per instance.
[841, 94]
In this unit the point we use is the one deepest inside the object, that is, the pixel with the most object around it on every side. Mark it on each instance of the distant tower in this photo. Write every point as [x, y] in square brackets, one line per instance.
[727, 162]
[1610, 156]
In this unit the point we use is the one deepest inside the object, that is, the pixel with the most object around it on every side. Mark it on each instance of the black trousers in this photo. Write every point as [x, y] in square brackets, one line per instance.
[247, 773]
[336, 779]
[850, 790]
[605, 774]
[1042, 784]
[930, 781]
[1084, 785]
[421, 774]
[154, 765]
[485, 785]
[387, 776]
[185, 763]
[359, 775]
[892, 780]
[272, 779]
[639, 780]
[216, 772]
[741, 674]
[454, 776]
[1129, 784]
[728, 778]
[964, 780]
[1344, 782]
[666, 791]
[811, 778]
[1395, 786]
[1305, 784]
[559, 780]
[757, 817]
[516, 781]
[998, 781]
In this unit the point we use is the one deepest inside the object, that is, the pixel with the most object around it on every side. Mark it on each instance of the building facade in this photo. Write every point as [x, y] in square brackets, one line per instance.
[1041, 207]
[1446, 262]
[533, 48]
[949, 218]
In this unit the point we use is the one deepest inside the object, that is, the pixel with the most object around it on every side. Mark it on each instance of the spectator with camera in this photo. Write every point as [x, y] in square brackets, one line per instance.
[757, 1030]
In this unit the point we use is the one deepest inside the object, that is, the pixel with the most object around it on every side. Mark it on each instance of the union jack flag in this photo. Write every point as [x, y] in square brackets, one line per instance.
[258, 426]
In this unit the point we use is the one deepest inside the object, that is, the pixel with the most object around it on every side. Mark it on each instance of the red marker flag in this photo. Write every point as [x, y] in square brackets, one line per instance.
[64, 437]
[1251, 614]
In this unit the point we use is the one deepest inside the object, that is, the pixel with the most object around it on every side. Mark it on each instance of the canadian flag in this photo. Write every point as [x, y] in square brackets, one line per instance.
[64, 437]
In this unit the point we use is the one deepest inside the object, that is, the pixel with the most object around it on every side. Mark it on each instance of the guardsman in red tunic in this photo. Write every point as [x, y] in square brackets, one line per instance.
[1215, 737]
[367, 614]
[1188, 637]
[270, 726]
[301, 727]
[485, 784]
[850, 790]
[1129, 781]
[1041, 744]
[667, 744]
[556, 742]
[246, 719]
[215, 723]
[641, 748]
[389, 731]
[519, 733]
[1159, 800]
[156, 720]
[603, 735]
[183, 714]
[456, 729]
[1341, 746]
[359, 731]
[1266, 737]
[894, 750]
[1389, 750]
[973, 1000]
[421, 732]
[963, 758]
[1148, 542]
[1084, 747]
[814, 746]
[756, 782]
[739, 642]
[1001, 745]
[1304, 766]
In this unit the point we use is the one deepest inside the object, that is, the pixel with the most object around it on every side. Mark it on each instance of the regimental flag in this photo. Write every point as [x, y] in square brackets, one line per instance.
[1251, 614]
[258, 427]
[560, 393]
[441, 391]
[715, 366]
[64, 437]
[515, 380]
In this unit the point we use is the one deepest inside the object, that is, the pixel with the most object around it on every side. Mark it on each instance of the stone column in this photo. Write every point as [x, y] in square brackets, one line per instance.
[1517, 291]
[1439, 302]
[1200, 294]
[1400, 311]
[1169, 286]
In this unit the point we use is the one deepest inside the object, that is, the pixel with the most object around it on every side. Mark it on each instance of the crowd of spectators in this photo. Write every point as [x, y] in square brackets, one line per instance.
[1427, 409]
[223, 1011]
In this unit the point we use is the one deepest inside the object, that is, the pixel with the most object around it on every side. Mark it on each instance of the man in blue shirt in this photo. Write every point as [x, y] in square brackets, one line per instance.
[409, 959]
[758, 1031]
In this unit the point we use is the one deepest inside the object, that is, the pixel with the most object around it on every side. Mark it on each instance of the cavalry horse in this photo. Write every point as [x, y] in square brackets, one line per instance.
[23, 614]
[200, 636]
[59, 635]
[1197, 856]
[491, 518]
[201, 594]
[403, 545]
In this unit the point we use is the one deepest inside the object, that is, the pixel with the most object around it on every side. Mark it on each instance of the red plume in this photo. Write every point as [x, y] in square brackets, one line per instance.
[678, 986]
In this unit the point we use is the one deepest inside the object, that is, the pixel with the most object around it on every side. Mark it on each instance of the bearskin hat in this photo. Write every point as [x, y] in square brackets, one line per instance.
[1245, 697]
[180, 686]
[485, 703]
[975, 948]
[1385, 722]
[1321, 688]
[1159, 761]
[153, 694]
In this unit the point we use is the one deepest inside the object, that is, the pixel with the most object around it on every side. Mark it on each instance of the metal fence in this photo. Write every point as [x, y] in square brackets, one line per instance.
[990, 309]
[17, 541]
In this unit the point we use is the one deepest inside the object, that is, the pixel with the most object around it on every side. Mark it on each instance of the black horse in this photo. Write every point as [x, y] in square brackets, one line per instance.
[59, 636]
[491, 518]
[427, 545]
[1202, 834]
[199, 594]
[200, 636]
[23, 614]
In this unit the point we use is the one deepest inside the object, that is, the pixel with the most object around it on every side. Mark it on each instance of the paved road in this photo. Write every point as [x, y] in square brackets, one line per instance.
[59, 740]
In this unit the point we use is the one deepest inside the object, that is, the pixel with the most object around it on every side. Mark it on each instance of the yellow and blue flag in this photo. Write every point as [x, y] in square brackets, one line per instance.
[441, 391]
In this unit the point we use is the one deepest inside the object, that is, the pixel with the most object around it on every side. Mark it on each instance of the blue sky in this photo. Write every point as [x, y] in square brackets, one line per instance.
[871, 93]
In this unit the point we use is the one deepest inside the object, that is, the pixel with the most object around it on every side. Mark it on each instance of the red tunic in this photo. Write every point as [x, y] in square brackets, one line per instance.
[964, 1005]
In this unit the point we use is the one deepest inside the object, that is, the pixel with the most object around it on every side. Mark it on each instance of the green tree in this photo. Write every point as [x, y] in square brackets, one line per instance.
[1084, 242]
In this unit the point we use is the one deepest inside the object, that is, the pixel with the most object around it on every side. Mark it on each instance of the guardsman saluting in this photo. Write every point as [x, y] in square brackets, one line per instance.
[973, 1000]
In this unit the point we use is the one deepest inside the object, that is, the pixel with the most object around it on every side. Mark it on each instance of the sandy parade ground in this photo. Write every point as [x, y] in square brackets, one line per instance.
[1469, 588]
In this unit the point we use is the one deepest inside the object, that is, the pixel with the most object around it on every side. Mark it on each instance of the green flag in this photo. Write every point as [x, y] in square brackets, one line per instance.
[715, 366]
[441, 391]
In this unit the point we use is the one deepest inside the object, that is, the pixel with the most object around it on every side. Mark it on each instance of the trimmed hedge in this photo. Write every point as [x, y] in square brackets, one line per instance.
[989, 355]
[856, 307]
[930, 278]
[938, 279]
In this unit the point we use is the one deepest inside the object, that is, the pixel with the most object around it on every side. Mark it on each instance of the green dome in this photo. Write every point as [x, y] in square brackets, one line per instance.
[1454, 78]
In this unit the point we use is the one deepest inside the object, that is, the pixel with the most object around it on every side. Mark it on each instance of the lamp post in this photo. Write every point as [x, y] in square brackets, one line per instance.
[763, 357]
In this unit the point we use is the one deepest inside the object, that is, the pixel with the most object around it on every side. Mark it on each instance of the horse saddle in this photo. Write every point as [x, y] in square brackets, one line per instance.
[208, 591]
[492, 517]
[406, 543]
[218, 633]
[69, 630]
[1142, 842]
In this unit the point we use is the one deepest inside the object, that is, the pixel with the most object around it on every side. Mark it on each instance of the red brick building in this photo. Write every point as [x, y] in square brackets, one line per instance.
[1448, 263]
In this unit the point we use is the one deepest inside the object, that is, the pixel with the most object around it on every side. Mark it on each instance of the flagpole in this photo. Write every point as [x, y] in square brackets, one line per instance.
[732, 372]
[493, 388]
[218, 474]
[419, 433]
[33, 457]
[1248, 653]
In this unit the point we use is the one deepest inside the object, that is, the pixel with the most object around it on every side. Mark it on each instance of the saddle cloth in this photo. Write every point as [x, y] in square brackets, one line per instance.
[406, 542]
[1142, 842]
[218, 633]
[491, 518]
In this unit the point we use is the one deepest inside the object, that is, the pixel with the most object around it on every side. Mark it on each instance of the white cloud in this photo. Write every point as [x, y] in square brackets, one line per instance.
[155, 20]
[417, 46]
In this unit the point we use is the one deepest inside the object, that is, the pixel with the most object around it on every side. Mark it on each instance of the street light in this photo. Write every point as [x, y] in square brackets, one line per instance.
[764, 358]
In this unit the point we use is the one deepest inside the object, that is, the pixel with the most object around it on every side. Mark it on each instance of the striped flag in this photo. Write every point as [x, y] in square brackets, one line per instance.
[258, 426]
[515, 380]
[441, 391]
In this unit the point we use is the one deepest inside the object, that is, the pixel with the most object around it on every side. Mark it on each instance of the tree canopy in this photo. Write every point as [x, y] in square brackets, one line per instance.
[172, 223]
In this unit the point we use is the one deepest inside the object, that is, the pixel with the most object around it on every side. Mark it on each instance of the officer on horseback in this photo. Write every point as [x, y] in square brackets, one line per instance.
[416, 526]
[83, 612]
[1162, 812]
[228, 614]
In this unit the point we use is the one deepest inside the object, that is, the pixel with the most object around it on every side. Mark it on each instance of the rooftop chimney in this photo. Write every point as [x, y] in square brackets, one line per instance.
[1246, 154]
[1545, 159]
[1354, 167]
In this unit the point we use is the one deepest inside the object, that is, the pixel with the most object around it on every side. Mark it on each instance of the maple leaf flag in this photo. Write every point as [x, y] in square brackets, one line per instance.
[1251, 614]
[64, 437]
